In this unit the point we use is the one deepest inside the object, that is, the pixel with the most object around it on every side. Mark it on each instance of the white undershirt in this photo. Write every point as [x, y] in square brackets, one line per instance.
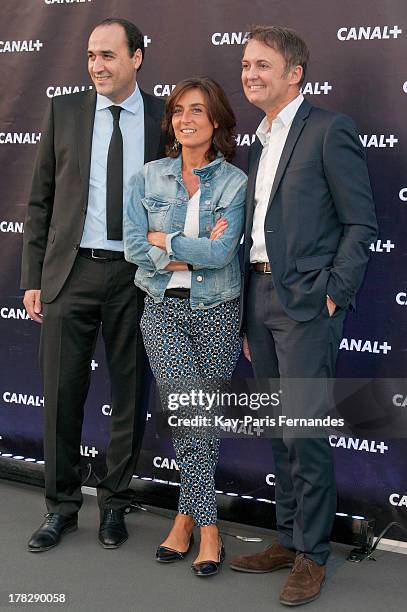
[273, 140]
[191, 229]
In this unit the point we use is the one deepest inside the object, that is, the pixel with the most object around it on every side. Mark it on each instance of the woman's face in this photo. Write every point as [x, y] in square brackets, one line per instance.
[190, 121]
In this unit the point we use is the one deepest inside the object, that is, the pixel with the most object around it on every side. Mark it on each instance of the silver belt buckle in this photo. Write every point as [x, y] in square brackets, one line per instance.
[95, 256]
[265, 271]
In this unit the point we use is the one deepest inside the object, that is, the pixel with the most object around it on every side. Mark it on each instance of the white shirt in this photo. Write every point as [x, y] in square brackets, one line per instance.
[132, 128]
[273, 140]
[182, 278]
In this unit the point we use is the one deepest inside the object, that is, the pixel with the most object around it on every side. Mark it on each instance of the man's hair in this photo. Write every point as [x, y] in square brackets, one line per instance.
[219, 111]
[134, 37]
[287, 42]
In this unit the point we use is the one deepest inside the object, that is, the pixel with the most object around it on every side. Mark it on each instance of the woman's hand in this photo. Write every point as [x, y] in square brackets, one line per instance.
[157, 239]
[218, 229]
[176, 266]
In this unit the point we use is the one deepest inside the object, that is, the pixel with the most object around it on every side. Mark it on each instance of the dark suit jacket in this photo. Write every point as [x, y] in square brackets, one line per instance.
[320, 219]
[59, 195]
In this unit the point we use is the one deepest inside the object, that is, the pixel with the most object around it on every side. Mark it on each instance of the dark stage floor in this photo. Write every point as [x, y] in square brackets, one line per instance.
[128, 579]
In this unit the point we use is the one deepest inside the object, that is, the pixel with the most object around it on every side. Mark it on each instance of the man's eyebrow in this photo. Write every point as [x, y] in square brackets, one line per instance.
[256, 61]
[105, 52]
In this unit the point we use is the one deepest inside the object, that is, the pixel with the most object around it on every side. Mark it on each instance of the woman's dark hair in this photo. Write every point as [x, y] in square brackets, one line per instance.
[219, 111]
[135, 39]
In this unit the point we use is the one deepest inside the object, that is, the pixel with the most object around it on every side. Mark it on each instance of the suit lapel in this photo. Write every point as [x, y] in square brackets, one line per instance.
[84, 133]
[152, 130]
[293, 135]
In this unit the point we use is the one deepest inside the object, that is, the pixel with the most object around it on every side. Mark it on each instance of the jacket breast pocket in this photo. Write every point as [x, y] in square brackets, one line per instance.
[219, 210]
[157, 211]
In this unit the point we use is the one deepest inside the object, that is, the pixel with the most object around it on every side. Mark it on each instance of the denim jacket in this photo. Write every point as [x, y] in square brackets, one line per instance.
[159, 203]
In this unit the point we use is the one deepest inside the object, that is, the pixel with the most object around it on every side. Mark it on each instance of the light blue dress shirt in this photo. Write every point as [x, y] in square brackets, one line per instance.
[132, 128]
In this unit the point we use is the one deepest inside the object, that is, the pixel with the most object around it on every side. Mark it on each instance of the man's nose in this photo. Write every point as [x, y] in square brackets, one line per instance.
[252, 73]
[98, 64]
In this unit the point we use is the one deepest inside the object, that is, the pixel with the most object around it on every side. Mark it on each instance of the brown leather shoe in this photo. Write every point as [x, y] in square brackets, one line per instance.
[275, 557]
[304, 583]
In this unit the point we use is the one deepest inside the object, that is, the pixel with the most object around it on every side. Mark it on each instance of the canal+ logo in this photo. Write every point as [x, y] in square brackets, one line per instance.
[386, 32]
[20, 46]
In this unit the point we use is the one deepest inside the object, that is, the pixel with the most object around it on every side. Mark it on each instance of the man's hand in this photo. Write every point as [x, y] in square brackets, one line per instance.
[32, 304]
[218, 229]
[246, 350]
[157, 239]
[330, 304]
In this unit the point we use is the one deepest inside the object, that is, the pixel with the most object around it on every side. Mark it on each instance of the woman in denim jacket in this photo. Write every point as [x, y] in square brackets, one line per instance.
[183, 230]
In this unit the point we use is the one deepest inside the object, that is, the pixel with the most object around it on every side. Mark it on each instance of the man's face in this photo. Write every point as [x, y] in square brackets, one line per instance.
[265, 83]
[110, 66]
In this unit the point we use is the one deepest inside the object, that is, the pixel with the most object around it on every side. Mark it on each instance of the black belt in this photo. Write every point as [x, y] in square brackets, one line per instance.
[262, 268]
[177, 292]
[101, 254]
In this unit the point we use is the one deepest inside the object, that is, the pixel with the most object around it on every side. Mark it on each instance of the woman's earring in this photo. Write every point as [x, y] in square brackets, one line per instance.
[175, 146]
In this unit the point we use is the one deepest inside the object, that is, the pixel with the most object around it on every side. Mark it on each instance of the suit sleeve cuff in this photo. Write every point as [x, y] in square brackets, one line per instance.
[337, 297]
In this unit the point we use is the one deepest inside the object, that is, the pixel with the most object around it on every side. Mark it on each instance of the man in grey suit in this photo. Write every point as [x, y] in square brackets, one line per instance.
[310, 221]
[76, 278]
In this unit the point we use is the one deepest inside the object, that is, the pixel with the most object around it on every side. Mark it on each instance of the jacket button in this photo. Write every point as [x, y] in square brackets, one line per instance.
[76, 247]
[207, 184]
[199, 278]
[201, 305]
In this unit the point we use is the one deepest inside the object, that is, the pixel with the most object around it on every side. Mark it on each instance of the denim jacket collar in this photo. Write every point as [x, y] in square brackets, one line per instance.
[206, 172]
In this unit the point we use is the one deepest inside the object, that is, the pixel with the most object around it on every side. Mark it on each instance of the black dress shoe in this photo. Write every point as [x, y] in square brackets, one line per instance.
[112, 530]
[209, 568]
[169, 555]
[51, 531]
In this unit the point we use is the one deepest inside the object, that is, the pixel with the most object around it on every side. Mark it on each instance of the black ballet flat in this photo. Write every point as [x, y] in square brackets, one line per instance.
[209, 568]
[169, 555]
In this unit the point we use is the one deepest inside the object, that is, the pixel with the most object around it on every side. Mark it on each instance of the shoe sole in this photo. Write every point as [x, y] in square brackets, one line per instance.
[44, 549]
[303, 601]
[205, 575]
[237, 568]
[112, 546]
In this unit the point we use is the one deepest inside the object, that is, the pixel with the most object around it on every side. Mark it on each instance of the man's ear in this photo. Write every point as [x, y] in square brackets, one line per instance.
[137, 58]
[296, 75]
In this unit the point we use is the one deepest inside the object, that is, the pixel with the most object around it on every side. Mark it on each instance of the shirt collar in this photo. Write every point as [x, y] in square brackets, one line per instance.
[174, 167]
[131, 104]
[285, 118]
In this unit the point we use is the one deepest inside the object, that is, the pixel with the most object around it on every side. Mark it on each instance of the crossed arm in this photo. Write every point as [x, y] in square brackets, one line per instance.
[159, 239]
[159, 252]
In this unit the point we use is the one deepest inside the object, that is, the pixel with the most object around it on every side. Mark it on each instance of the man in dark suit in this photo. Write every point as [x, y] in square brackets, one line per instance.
[76, 278]
[310, 221]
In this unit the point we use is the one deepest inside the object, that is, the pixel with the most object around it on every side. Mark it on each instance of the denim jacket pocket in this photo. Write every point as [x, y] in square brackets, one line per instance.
[219, 210]
[157, 211]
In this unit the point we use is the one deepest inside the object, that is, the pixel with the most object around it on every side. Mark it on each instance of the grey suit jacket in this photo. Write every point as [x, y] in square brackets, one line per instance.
[59, 195]
[320, 219]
